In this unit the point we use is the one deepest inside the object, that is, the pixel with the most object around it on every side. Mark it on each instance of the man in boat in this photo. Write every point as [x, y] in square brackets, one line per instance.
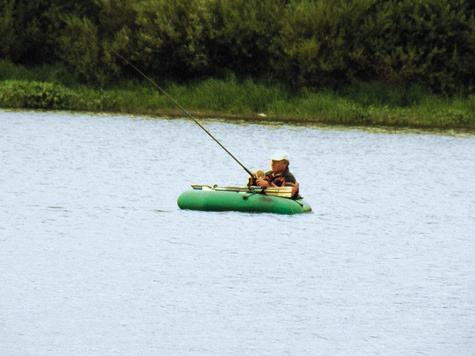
[279, 175]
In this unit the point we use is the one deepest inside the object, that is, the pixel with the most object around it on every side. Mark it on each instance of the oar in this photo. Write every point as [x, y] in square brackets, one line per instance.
[252, 179]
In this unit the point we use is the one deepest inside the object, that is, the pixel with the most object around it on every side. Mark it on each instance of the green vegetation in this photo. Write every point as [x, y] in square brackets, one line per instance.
[363, 104]
[371, 62]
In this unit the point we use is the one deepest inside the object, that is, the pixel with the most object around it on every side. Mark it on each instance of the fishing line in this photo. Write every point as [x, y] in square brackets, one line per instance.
[183, 109]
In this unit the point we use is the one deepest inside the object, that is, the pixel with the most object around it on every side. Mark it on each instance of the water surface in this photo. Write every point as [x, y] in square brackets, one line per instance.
[97, 259]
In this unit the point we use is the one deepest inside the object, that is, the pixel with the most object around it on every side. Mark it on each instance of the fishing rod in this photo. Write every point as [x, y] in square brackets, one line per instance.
[183, 109]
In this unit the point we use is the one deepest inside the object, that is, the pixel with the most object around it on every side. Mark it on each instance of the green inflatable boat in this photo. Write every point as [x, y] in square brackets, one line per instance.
[243, 199]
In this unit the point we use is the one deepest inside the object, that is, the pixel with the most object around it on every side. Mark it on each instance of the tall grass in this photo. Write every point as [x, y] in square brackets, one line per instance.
[361, 104]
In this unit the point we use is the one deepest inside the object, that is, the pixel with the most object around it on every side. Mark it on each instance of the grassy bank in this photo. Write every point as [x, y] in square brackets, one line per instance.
[368, 104]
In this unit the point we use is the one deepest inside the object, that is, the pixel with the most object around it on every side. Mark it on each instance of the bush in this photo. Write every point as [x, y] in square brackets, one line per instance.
[318, 46]
[35, 95]
[312, 43]
[170, 38]
[428, 41]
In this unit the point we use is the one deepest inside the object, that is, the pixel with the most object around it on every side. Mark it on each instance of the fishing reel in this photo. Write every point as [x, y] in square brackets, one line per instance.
[257, 175]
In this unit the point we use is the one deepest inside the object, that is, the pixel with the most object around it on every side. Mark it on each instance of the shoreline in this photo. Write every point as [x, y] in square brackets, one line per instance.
[259, 120]
[247, 102]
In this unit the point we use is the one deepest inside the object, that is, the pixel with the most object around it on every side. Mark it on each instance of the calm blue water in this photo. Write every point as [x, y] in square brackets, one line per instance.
[97, 259]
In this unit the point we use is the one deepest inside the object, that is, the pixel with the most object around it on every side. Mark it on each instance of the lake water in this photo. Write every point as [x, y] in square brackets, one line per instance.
[97, 259]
